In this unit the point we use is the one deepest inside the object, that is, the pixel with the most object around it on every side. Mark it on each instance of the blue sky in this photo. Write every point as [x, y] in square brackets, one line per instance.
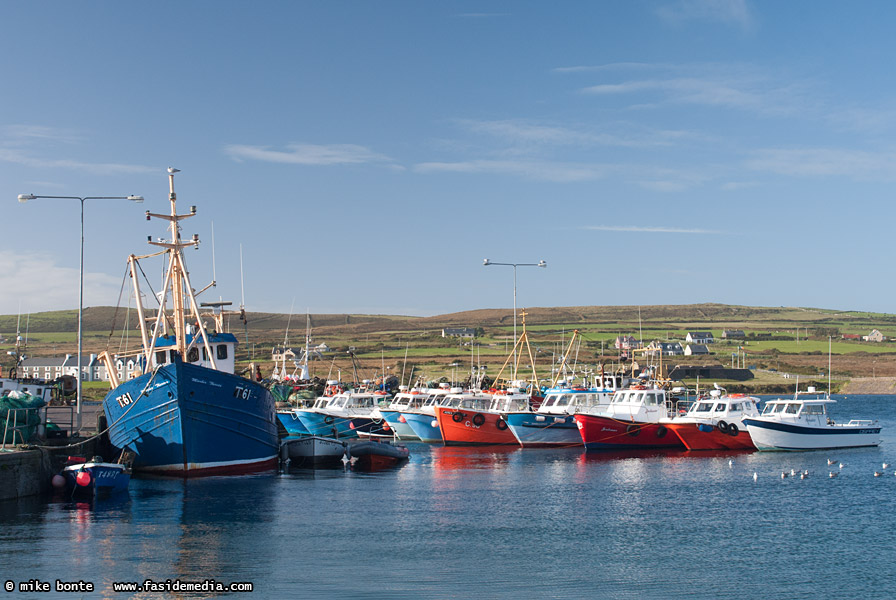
[367, 156]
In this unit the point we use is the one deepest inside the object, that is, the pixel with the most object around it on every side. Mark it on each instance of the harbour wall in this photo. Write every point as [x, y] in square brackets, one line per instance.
[869, 385]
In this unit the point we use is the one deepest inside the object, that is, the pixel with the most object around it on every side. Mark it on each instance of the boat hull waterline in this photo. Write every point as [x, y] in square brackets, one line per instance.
[600, 433]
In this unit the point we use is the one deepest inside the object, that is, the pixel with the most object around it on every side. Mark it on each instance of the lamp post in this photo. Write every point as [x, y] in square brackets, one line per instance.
[26, 198]
[487, 263]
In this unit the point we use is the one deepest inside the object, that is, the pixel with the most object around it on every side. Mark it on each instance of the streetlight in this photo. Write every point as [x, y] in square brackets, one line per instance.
[25, 198]
[487, 263]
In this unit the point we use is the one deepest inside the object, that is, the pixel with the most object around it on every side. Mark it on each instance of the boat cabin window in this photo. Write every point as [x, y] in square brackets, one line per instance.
[792, 409]
[813, 409]
[703, 407]
[160, 357]
[339, 402]
[651, 399]
[204, 353]
[720, 407]
[222, 351]
[736, 407]
[193, 354]
[563, 400]
[172, 354]
[549, 401]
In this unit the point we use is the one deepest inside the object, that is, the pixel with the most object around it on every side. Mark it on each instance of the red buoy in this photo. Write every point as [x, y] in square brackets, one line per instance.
[83, 478]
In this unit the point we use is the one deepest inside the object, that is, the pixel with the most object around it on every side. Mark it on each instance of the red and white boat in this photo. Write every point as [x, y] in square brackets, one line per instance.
[632, 420]
[716, 422]
[474, 418]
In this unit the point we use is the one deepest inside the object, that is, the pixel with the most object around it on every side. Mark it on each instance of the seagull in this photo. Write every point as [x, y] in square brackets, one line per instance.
[804, 475]
[755, 476]
[886, 465]
[832, 461]
[172, 170]
[832, 474]
[783, 474]
[731, 463]
[792, 473]
[841, 465]
[877, 473]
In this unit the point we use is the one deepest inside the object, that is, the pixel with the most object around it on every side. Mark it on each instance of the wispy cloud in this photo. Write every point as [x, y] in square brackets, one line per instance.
[814, 162]
[644, 229]
[308, 154]
[41, 284]
[16, 134]
[624, 66]
[729, 12]
[528, 169]
[24, 159]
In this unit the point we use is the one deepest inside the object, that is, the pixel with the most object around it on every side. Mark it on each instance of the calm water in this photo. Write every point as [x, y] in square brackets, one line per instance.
[493, 523]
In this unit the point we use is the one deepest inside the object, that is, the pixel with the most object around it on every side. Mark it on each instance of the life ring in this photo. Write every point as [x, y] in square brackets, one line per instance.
[661, 431]
[501, 424]
[478, 419]
[733, 430]
[723, 426]
[457, 417]
[633, 430]
[328, 419]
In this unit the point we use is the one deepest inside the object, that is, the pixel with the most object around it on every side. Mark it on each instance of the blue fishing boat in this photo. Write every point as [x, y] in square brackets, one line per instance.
[553, 424]
[188, 413]
[291, 422]
[346, 415]
[405, 400]
[94, 478]
[422, 420]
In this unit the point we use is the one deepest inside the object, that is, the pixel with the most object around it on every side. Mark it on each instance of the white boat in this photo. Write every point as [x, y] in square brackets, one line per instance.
[802, 423]
[310, 451]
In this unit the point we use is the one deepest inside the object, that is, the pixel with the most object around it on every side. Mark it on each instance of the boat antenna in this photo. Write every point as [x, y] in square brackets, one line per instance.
[214, 270]
[829, 366]
[243, 300]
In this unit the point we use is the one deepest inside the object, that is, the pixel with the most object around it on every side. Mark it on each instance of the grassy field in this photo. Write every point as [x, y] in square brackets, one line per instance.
[380, 339]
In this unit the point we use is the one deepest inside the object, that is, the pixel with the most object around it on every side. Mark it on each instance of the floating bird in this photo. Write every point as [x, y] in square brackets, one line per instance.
[731, 463]
[886, 466]
[832, 461]
[783, 474]
[877, 473]
[792, 473]
[832, 474]
[804, 474]
[755, 476]
[841, 465]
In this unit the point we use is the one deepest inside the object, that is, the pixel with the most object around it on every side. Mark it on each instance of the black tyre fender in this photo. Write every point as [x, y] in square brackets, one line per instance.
[501, 424]
[633, 430]
[723, 426]
[478, 419]
[457, 417]
[661, 431]
[328, 419]
[733, 430]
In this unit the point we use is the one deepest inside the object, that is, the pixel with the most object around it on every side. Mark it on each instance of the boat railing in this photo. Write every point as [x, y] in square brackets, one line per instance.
[860, 423]
[17, 422]
[63, 417]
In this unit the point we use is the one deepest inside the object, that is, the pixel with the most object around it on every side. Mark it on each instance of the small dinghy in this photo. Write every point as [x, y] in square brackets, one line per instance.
[312, 451]
[377, 455]
[93, 478]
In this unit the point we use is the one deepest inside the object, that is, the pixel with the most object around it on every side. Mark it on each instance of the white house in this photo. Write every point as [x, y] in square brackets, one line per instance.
[695, 349]
[874, 336]
[699, 337]
[461, 332]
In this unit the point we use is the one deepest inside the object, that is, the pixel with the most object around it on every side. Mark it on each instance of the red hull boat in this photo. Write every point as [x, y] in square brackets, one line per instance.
[467, 427]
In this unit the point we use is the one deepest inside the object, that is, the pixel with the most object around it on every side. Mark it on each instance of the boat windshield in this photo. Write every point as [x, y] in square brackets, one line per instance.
[736, 407]
[653, 399]
[792, 408]
[814, 409]
[772, 408]
[563, 400]
[549, 401]
[703, 407]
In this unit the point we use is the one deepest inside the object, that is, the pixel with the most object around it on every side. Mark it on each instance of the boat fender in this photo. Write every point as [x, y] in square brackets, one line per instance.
[478, 419]
[661, 432]
[501, 424]
[633, 430]
[328, 419]
[733, 430]
[457, 417]
[723, 426]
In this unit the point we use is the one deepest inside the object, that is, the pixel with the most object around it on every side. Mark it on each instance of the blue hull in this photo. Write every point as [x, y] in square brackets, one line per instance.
[547, 432]
[401, 429]
[192, 420]
[292, 423]
[325, 425]
[103, 480]
[423, 427]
